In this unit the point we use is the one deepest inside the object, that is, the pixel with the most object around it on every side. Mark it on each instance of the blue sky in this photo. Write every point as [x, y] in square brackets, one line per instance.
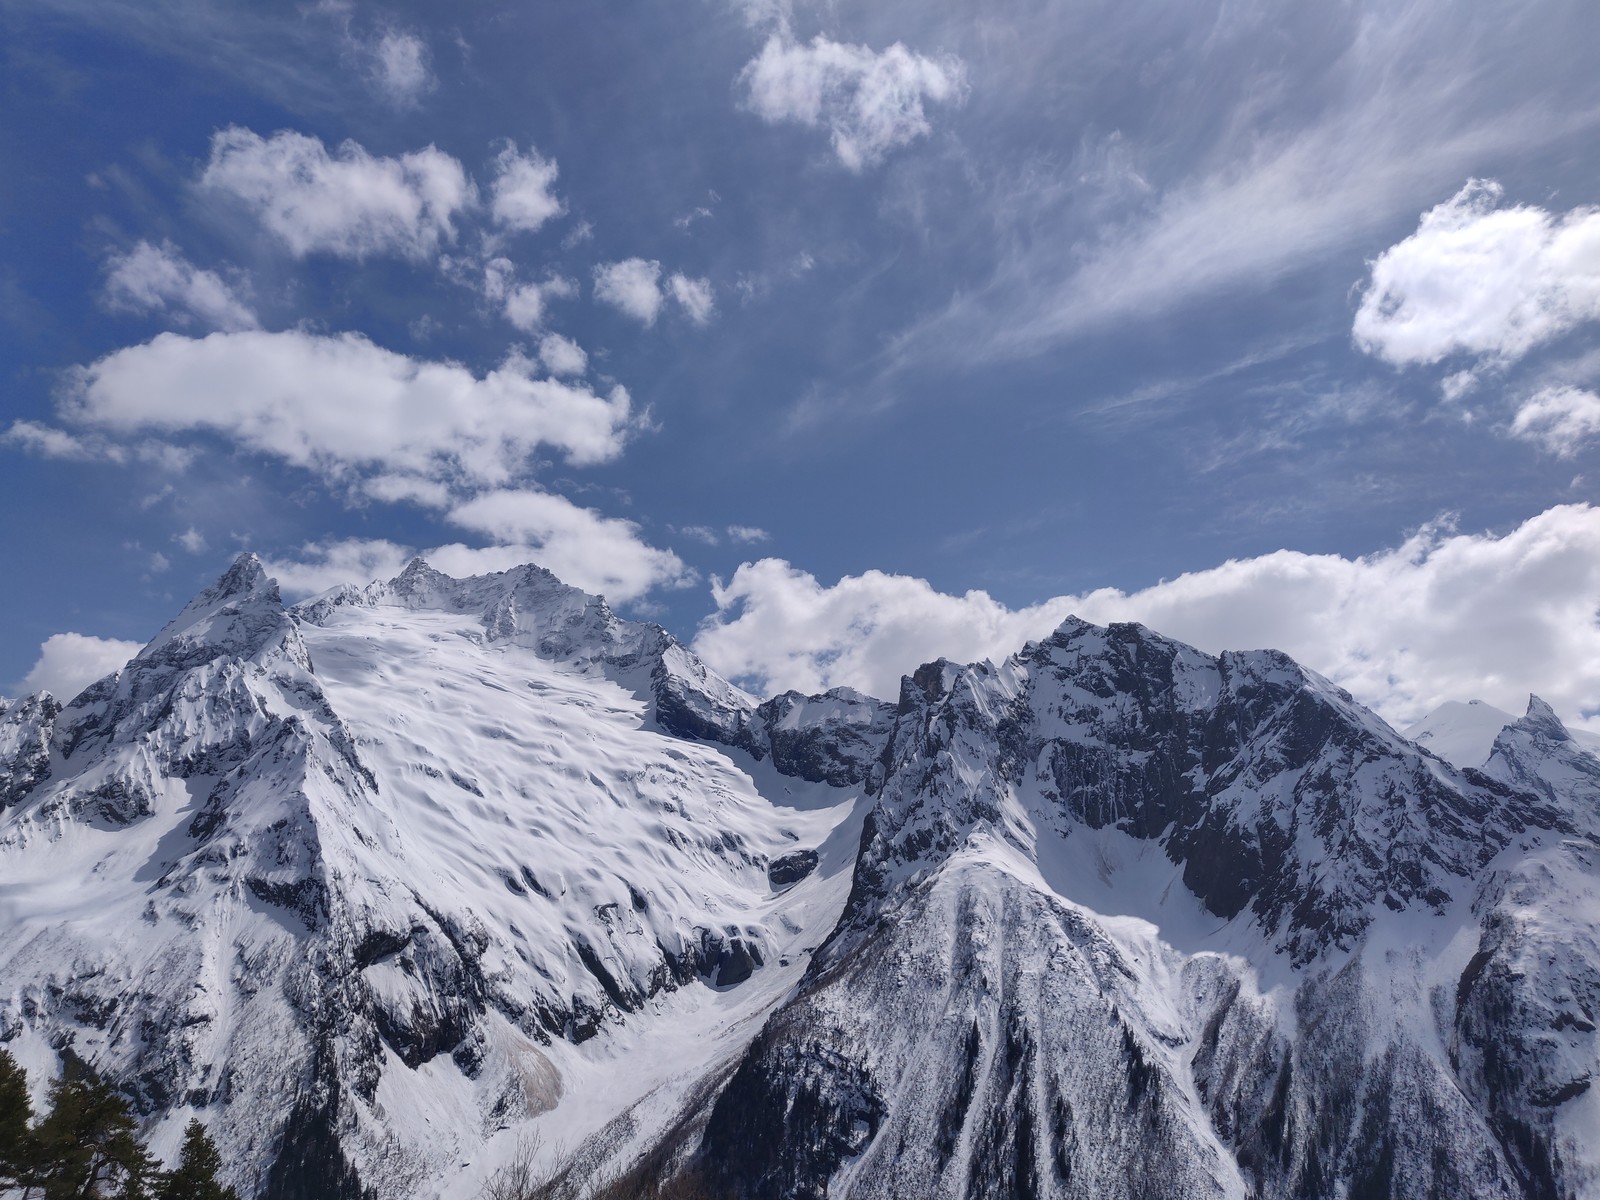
[834, 337]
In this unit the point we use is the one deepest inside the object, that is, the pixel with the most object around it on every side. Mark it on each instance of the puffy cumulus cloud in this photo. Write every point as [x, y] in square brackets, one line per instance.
[599, 554]
[524, 304]
[1479, 278]
[632, 287]
[400, 68]
[747, 534]
[781, 628]
[342, 405]
[347, 203]
[1444, 616]
[870, 101]
[319, 566]
[596, 553]
[70, 662]
[414, 489]
[562, 356]
[521, 197]
[159, 279]
[694, 296]
[1561, 419]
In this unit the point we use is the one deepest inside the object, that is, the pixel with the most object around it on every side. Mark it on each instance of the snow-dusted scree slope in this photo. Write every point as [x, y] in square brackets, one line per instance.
[378, 884]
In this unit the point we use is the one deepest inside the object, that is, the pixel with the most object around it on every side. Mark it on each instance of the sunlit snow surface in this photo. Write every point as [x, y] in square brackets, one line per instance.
[553, 770]
[433, 866]
[465, 817]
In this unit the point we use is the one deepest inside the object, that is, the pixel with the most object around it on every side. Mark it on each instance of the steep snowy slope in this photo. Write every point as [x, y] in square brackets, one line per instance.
[1120, 902]
[372, 883]
[1463, 733]
[380, 885]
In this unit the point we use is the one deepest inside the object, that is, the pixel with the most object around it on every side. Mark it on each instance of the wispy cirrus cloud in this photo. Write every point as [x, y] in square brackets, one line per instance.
[1245, 174]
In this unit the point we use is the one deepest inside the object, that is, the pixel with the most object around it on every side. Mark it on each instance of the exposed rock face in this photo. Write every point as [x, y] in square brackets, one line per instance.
[290, 863]
[835, 738]
[377, 883]
[1122, 902]
[26, 727]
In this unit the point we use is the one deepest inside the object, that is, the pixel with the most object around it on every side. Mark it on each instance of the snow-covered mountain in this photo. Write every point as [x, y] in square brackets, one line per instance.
[382, 883]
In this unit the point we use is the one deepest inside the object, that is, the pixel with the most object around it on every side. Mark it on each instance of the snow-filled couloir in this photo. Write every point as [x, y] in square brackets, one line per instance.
[371, 882]
[385, 884]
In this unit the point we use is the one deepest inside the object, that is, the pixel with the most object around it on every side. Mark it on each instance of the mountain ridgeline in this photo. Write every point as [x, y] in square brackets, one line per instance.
[407, 883]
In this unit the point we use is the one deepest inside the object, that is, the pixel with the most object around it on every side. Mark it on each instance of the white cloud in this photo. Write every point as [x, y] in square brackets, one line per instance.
[1561, 419]
[562, 356]
[323, 565]
[47, 441]
[1245, 175]
[340, 404]
[520, 197]
[158, 279]
[699, 213]
[1444, 616]
[400, 68]
[694, 295]
[415, 489]
[700, 533]
[1481, 279]
[347, 203]
[598, 554]
[870, 101]
[70, 662]
[523, 304]
[747, 534]
[781, 627]
[192, 540]
[632, 287]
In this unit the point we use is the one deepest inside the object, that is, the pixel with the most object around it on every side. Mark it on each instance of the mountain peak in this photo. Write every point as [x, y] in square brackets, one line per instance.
[417, 576]
[239, 613]
[246, 577]
[1541, 718]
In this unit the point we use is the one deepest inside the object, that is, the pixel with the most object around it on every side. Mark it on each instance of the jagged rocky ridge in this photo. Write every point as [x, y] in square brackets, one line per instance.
[289, 861]
[379, 882]
[1130, 920]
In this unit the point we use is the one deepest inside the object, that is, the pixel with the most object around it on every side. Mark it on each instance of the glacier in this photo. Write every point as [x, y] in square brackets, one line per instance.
[393, 883]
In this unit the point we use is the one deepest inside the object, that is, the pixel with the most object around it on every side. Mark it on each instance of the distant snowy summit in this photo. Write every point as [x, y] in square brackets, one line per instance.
[383, 885]
[1465, 733]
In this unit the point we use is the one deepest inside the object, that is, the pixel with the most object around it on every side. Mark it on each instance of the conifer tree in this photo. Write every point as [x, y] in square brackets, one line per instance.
[87, 1144]
[195, 1176]
[18, 1149]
